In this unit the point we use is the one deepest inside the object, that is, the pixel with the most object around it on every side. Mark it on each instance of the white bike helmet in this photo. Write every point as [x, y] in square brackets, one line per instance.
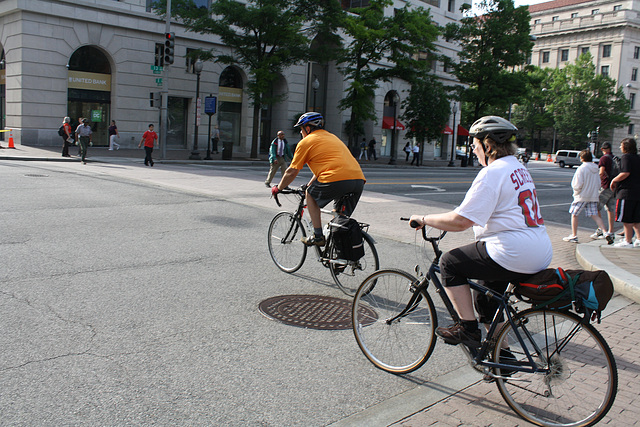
[498, 129]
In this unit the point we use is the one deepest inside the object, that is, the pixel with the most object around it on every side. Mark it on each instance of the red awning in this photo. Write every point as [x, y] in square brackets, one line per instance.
[462, 131]
[387, 123]
[447, 130]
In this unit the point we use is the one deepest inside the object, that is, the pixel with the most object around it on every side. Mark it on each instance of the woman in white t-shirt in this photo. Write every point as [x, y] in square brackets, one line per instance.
[511, 239]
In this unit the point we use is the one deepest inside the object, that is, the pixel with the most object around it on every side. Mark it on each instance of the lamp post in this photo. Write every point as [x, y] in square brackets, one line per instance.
[197, 67]
[315, 85]
[453, 140]
[395, 99]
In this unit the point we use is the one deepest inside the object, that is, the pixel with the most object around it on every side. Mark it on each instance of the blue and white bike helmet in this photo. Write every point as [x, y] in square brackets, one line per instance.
[312, 119]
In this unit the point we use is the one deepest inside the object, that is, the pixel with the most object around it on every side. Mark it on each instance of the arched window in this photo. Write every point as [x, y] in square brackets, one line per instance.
[89, 59]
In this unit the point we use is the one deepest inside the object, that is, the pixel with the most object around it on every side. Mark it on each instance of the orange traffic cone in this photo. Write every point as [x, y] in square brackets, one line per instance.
[11, 140]
[549, 159]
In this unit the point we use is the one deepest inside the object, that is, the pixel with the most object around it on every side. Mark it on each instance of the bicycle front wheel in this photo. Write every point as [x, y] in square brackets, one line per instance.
[348, 275]
[393, 325]
[578, 378]
[285, 247]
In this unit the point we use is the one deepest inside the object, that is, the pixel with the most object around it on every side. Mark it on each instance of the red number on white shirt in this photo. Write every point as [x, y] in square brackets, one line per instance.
[531, 214]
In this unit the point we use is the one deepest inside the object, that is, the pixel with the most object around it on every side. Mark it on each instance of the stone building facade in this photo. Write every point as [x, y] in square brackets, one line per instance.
[608, 29]
[96, 59]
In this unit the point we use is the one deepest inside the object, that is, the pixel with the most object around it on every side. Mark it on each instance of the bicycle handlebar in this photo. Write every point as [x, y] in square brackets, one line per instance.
[299, 191]
[415, 224]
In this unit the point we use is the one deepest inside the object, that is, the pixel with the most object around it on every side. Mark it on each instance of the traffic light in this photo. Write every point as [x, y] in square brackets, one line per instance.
[169, 47]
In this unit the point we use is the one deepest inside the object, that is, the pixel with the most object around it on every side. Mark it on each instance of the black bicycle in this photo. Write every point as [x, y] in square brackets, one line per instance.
[289, 253]
[552, 367]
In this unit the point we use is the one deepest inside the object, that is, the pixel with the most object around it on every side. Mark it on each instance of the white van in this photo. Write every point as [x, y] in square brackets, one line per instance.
[569, 158]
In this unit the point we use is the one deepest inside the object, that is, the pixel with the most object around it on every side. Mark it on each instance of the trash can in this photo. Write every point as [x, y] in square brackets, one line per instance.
[227, 150]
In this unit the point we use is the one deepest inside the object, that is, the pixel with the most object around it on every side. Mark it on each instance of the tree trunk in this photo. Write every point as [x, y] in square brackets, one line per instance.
[256, 130]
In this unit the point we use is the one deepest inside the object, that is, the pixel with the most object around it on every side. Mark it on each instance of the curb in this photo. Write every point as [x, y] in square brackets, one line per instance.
[591, 258]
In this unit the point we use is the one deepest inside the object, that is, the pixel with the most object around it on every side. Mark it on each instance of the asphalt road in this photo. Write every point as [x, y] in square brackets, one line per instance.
[129, 295]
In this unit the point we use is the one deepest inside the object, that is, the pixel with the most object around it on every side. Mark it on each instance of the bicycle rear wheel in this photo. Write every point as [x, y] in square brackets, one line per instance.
[285, 247]
[394, 330]
[348, 275]
[578, 380]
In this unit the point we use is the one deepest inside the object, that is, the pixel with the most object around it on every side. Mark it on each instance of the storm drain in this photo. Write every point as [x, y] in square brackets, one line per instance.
[311, 311]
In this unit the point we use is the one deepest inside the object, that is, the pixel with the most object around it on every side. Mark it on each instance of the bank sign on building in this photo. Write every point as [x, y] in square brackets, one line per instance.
[99, 59]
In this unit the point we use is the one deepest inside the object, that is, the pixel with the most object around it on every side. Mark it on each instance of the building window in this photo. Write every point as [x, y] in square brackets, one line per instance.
[631, 128]
[545, 57]
[536, 22]
[351, 4]
[564, 55]
[584, 50]
[606, 51]
[202, 3]
[148, 4]
[634, 74]
[617, 7]
[452, 6]
[555, 18]
[159, 58]
[595, 11]
[636, 52]
[574, 15]
[632, 101]
[604, 70]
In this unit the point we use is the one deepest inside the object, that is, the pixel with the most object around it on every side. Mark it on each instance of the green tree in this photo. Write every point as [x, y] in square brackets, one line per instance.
[395, 41]
[426, 109]
[583, 100]
[532, 113]
[265, 37]
[492, 46]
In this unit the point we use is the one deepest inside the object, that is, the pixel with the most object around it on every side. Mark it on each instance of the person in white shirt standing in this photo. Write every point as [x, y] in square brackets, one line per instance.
[586, 186]
[511, 240]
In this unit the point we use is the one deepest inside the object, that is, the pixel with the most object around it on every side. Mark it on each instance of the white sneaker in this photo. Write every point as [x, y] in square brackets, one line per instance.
[636, 244]
[598, 234]
[623, 244]
[572, 239]
[610, 238]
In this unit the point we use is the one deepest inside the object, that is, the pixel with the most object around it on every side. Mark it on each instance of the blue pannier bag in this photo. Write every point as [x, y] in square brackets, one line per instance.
[585, 292]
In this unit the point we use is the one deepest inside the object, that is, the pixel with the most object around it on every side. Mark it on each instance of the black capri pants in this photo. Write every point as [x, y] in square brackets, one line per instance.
[473, 262]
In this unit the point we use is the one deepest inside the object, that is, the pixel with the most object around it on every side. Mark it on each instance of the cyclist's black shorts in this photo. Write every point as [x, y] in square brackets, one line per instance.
[325, 192]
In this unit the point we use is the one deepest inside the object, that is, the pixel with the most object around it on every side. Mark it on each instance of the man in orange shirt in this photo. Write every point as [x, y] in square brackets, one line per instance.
[335, 172]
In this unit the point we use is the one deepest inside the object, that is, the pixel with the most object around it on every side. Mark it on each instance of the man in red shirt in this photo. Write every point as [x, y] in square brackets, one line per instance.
[149, 138]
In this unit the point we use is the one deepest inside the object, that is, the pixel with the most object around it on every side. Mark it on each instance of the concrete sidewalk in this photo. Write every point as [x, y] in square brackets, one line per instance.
[465, 400]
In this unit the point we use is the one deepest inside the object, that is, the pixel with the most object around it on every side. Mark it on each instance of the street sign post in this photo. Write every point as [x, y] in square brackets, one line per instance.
[210, 103]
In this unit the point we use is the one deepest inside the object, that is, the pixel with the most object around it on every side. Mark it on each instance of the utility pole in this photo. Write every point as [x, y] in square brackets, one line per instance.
[164, 123]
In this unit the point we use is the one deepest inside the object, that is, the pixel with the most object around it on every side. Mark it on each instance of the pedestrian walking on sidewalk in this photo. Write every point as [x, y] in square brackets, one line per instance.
[279, 153]
[627, 188]
[585, 184]
[416, 154]
[407, 150]
[149, 139]
[363, 149]
[113, 134]
[83, 134]
[606, 198]
[67, 138]
[214, 139]
[372, 149]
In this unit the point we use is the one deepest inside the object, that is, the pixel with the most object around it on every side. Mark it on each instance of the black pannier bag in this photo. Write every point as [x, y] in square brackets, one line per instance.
[61, 131]
[347, 236]
[586, 292]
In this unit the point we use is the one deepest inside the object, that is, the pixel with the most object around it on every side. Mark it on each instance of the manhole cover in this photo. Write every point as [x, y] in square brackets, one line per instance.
[311, 311]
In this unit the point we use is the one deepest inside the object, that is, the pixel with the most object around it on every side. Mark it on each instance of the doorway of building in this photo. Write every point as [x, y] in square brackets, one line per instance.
[177, 126]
